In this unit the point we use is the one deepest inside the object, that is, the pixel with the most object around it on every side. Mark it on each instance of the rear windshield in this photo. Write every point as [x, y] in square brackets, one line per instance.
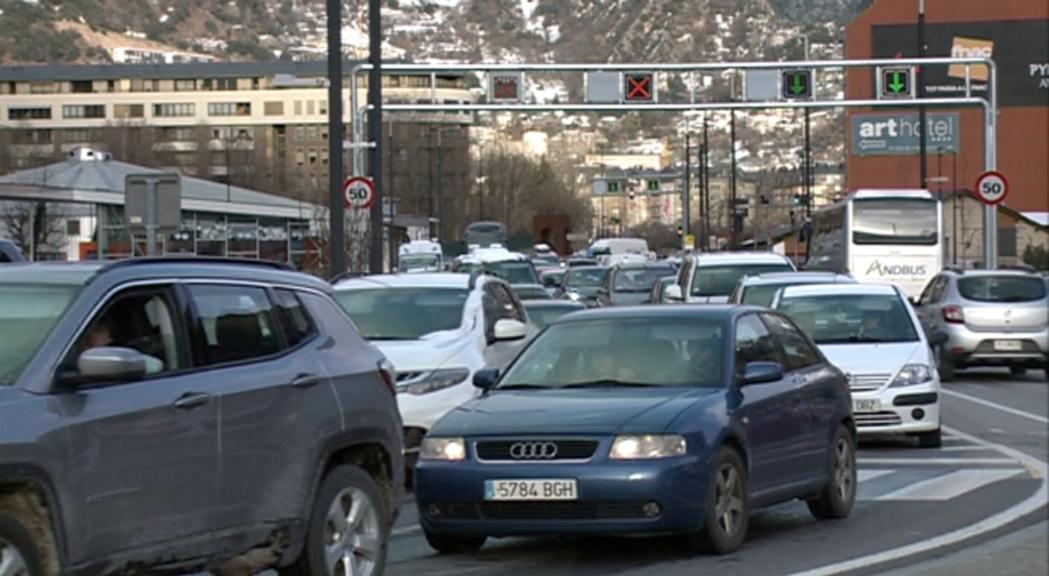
[1002, 288]
[403, 313]
[514, 272]
[721, 280]
[851, 318]
[638, 279]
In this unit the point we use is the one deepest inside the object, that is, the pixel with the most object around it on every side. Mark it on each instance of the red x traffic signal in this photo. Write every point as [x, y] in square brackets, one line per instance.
[639, 87]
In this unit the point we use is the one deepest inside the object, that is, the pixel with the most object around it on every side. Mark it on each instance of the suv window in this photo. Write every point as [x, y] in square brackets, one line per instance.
[294, 319]
[754, 343]
[796, 348]
[498, 305]
[1002, 288]
[235, 323]
[142, 319]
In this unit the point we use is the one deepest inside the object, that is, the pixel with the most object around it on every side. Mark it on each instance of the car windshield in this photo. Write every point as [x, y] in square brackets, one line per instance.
[514, 272]
[403, 313]
[1002, 289]
[721, 280]
[661, 351]
[546, 260]
[553, 279]
[531, 293]
[544, 316]
[27, 315]
[419, 261]
[851, 318]
[639, 279]
[762, 294]
[586, 278]
[895, 221]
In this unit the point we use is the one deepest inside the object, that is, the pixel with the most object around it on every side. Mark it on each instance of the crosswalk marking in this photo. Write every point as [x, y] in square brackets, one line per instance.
[933, 461]
[950, 485]
[868, 475]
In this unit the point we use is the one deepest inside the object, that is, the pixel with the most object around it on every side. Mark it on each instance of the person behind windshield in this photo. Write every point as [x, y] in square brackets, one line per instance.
[873, 328]
[605, 365]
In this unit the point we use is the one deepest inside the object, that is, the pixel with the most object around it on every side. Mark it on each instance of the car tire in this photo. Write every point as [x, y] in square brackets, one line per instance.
[454, 544]
[944, 365]
[17, 548]
[1018, 370]
[839, 495]
[350, 494]
[727, 505]
[932, 439]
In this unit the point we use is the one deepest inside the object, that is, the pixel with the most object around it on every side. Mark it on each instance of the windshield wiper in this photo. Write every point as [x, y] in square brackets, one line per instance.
[608, 384]
[521, 387]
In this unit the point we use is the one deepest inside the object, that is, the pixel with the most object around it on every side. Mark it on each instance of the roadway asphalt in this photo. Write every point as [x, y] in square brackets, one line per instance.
[976, 506]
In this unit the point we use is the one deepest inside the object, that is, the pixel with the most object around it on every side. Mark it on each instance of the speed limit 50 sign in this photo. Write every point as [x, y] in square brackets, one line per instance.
[358, 192]
[992, 188]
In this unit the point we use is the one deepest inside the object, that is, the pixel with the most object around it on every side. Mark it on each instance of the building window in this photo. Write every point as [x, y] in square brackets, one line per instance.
[76, 136]
[273, 108]
[174, 110]
[72, 227]
[42, 113]
[229, 109]
[300, 133]
[185, 85]
[207, 84]
[313, 156]
[225, 83]
[300, 157]
[81, 87]
[324, 156]
[42, 88]
[323, 104]
[84, 111]
[122, 111]
[310, 107]
[312, 132]
[298, 107]
[324, 134]
[178, 134]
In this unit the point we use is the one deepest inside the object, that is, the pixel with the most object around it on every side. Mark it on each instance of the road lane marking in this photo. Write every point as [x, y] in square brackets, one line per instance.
[964, 449]
[996, 406]
[868, 475]
[406, 530]
[933, 461]
[1032, 503]
[950, 485]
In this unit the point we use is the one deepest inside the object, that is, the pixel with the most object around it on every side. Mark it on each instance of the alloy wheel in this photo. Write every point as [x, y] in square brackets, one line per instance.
[352, 542]
[12, 563]
[843, 476]
[728, 498]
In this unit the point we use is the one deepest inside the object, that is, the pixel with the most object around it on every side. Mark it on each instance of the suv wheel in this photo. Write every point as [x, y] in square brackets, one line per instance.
[944, 365]
[449, 544]
[728, 511]
[932, 439]
[347, 534]
[838, 496]
[18, 554]
[1018, 370]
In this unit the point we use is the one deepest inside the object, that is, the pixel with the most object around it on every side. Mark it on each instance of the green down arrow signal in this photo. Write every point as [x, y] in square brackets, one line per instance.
[897, 82]
[797, 86]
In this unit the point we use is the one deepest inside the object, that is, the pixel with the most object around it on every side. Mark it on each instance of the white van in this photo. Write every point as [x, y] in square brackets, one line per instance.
[710, 278]
[420, 256]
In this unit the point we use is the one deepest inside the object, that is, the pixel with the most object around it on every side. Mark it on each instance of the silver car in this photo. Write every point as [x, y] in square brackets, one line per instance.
[760, 289]
[990, 318]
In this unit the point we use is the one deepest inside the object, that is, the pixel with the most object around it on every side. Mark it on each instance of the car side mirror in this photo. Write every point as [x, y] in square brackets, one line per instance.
[507, 329]
[111, 363]
[674, 294]
[762, 372]
[485, 379]
[938, 338]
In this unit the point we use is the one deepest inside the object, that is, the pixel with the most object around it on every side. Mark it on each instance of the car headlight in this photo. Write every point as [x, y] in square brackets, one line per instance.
[912, 374]
[446, 449]
[434, 381]
[646, 447]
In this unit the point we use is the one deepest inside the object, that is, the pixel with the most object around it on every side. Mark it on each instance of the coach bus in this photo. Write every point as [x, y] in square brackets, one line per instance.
[893, 236]
[485, 234]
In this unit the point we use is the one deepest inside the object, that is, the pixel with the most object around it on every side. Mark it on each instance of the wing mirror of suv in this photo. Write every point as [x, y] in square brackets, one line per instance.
[673, 293]
[485, 379]
[506, 329]
[111, 363]
[762, 372]
[938, 338]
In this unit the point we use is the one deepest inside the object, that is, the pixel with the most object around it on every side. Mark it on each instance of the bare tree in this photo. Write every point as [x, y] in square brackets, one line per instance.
[38, 228]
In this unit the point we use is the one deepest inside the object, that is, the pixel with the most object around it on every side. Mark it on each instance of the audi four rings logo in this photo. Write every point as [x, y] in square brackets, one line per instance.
[533, 450]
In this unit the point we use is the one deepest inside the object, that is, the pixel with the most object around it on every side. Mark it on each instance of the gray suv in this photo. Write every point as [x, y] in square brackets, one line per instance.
[988, 318]
[190, 414]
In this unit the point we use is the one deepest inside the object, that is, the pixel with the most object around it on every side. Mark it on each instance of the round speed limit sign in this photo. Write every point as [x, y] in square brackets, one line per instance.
[358, 192]
[992, 188]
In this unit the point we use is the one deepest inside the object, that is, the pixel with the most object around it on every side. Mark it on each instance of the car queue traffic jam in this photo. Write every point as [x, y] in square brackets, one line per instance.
[608, 392]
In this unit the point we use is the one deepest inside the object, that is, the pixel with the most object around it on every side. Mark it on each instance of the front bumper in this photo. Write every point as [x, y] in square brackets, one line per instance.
[965, 346]
[899, 410]
[611, 497]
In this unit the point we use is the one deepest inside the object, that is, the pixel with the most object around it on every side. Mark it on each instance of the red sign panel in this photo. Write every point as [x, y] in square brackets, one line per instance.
[639, 87]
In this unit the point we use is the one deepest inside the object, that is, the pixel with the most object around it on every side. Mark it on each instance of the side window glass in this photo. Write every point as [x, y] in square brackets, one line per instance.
[491, 309]
[926, 296]
[938, 290]
[754, 343]
[295, 321]
[236, 323]
[142, 320]
[796, 348]
[512, 309]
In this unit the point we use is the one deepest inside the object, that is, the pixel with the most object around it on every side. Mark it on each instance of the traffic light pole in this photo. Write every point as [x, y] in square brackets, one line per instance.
[336, 207]
[733, 229]
[706, 182]
[375, 262]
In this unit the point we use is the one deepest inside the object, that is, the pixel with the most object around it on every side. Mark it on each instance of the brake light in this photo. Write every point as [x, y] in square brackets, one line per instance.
[953, 314]
[387, 372]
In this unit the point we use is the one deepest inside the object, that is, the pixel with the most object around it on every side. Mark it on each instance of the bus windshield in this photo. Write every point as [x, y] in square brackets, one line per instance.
[895, 221]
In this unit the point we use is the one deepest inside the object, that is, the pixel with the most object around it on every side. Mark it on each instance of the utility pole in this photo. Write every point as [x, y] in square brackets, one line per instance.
[374, 129]
[440, 181]
[808, 167]
[390, 198]
[686, 199]
[336, 209]
[706, 183]
[733, 220]
[921, 94]
[429, 182]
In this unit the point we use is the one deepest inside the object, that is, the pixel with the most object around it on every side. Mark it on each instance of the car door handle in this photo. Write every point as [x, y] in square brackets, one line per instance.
[192, 400]
[306, 381]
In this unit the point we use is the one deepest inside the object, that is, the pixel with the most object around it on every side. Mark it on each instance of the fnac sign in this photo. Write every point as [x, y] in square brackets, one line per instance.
[970, 48]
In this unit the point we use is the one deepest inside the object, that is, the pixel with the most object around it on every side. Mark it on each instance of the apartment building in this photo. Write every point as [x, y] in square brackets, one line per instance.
[261, 125]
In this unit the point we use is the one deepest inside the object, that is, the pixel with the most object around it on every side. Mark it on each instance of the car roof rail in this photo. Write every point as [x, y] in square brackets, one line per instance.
[1018, 268]
[207, 260]
[956, 269]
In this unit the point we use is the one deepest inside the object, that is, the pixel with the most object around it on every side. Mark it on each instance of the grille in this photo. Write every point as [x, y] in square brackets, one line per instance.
[541, 511]
[499, 450]
[866, 382]
[876, 419]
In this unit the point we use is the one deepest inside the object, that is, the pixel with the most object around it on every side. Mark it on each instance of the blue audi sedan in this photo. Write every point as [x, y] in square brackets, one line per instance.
[643, 420]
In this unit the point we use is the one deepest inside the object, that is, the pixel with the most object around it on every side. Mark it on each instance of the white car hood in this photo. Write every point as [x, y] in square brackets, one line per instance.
[873, 358]
[428, 353]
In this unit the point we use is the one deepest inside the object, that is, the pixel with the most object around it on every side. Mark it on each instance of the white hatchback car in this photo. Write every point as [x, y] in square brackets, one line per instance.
[436, 330]
[871, 332]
